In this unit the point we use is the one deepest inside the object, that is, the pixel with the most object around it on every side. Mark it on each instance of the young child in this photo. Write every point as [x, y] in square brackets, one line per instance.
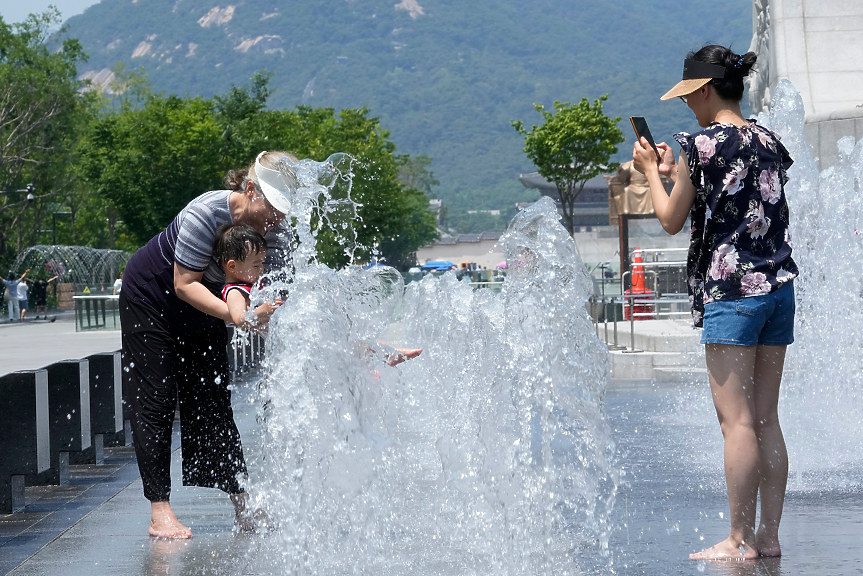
[241, 251]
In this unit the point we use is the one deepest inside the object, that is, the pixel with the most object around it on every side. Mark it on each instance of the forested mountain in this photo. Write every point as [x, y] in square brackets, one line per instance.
[446, 77]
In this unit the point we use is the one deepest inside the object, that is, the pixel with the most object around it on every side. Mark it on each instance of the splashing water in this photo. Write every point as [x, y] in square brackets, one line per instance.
[488, 454]
[822, 404]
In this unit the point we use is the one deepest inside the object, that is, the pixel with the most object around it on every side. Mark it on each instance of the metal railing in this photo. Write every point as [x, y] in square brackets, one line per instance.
[629, 304]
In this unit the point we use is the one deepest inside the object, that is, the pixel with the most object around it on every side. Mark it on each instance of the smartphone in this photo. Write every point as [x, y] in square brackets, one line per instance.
[639, 124]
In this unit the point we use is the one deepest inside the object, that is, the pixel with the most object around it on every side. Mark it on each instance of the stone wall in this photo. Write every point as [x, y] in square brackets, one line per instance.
[818, 46]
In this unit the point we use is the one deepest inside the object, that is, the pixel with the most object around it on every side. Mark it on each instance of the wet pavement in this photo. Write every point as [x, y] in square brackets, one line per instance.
[672, 503]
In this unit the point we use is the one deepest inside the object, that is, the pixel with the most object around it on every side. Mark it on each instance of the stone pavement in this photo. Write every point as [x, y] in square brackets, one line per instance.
[671, 503]
[33, 344]
[97, 525]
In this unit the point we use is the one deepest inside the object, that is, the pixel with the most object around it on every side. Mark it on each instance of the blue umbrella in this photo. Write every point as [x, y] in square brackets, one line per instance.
[438, 265]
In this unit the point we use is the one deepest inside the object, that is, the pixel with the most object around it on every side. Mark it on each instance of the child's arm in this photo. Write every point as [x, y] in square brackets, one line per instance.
[238, 303]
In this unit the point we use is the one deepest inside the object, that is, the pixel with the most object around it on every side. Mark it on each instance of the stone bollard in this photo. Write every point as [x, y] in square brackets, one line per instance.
[69, 413]
[106, 403]
[127, 416]
[242, 357]
[25, 443]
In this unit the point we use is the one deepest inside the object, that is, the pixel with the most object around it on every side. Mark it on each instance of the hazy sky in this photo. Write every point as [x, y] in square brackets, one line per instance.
[16, 11]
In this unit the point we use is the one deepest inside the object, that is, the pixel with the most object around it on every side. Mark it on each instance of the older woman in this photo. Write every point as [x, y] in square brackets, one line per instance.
[175, 341]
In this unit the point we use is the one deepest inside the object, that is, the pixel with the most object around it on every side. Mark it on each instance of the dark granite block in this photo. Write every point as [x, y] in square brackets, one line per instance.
[25, 447]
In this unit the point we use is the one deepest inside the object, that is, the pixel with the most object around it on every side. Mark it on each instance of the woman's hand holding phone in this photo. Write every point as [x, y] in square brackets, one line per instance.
[644, 159]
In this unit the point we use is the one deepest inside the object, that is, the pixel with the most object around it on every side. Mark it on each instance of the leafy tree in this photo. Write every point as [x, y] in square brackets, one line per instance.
[150, 157]
[393, 220]
[574, 144]
[150, 163]
[40, 109]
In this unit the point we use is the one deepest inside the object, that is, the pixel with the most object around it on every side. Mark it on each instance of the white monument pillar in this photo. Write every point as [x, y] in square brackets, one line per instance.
[818, 46]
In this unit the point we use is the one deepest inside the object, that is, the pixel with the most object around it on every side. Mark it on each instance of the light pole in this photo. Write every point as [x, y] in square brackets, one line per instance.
[29, 189]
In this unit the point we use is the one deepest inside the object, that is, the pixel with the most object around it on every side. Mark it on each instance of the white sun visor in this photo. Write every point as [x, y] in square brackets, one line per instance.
[278, 186]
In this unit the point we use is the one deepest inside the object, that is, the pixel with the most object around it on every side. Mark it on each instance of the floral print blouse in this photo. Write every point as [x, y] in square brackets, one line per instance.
[739, 245]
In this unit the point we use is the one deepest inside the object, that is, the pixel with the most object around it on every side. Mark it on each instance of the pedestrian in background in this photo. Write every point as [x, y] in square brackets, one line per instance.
[12, 286]
[23, 288]
[40, 296]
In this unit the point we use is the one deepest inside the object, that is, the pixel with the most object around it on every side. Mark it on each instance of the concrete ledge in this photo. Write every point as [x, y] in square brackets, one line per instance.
[25, 442]
[69, 410]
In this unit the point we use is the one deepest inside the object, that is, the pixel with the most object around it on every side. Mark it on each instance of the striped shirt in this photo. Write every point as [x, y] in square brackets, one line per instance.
[188, 241]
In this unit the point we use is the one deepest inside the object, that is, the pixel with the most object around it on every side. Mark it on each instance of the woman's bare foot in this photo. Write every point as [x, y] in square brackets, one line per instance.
[248, 520]
[767, 544]
[163, 523]
[728, 549]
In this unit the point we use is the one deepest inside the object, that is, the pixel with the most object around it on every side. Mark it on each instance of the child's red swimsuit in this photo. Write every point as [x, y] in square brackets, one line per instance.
[244, 288]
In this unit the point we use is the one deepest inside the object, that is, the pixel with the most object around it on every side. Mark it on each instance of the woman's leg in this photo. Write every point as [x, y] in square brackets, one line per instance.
[148, 359]
[732, 377]
[771, 444]
[212, 451]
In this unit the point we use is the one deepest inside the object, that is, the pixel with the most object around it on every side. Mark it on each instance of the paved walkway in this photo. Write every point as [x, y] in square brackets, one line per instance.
[33, 344]
[669, 506]
[97, 524]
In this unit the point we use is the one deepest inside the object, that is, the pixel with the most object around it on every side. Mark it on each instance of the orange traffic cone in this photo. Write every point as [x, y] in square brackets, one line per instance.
[637, 273]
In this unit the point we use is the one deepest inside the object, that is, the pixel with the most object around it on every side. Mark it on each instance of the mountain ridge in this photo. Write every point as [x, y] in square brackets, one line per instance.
[445, 77]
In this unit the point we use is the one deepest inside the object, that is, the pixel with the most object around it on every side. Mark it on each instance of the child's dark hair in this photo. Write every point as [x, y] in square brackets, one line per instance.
[236, 242]
[737, 67]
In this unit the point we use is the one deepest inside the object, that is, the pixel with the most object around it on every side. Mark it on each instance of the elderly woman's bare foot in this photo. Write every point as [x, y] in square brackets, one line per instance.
[728, 549]
[248, 520]
[767, 544]
[163, 523]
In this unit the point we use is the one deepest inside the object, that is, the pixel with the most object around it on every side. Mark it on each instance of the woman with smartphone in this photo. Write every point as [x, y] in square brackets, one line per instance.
[729, 179]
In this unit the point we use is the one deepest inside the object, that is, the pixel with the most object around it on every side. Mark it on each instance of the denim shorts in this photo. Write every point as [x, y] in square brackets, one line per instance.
[767, 320]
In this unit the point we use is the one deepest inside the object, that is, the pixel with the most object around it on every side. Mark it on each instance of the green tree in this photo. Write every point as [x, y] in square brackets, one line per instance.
[150, 162]
[393, 220]
[574, 144]
[41, 109]
[152, 154]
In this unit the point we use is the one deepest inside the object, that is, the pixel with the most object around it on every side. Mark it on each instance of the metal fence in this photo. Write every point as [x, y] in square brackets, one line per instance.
[667, 296]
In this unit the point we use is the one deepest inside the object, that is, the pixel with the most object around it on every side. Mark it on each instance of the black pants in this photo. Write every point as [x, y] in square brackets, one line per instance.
[161, 364]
